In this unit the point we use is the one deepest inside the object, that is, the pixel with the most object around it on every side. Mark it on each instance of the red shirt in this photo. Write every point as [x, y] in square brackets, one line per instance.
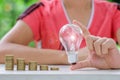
[46, 21]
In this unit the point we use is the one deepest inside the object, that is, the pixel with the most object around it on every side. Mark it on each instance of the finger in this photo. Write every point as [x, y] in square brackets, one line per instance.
[108, 44]
[98, 46]
[83, 28]
[81, 64]
[90, 42]
[86, 35]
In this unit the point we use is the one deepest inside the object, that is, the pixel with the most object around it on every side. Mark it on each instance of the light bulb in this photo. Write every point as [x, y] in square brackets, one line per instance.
[70, 36]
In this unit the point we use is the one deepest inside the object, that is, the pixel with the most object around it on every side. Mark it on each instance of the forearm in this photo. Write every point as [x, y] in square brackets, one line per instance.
[42, 56]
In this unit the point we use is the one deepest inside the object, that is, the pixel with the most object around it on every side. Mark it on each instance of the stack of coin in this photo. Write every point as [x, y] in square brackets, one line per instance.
[33, 66]
[9, 62]
[44, 67]
[54, 68]
[20, 64]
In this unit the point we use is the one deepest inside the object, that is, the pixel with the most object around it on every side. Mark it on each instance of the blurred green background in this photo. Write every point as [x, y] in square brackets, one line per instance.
[11, 9]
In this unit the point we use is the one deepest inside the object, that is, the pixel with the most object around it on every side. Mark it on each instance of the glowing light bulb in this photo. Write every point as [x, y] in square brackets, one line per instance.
[71, 38]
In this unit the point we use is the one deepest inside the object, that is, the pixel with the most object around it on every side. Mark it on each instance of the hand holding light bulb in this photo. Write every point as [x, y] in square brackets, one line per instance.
[103, 53]
[71, 38]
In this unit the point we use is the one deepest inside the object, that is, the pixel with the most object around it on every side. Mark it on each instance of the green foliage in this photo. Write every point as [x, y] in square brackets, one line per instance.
[118, 1]
[118, 46]
[9, 11]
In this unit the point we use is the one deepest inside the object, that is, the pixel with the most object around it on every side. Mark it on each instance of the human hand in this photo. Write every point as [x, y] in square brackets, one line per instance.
[103, 52]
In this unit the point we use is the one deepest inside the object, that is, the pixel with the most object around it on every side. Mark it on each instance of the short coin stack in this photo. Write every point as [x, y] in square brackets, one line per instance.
[44, 67]
[54, 68]
[33, 66]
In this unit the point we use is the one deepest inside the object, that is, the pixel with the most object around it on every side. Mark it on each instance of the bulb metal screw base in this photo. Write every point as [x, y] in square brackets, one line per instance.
[73, 63]
[72, 58]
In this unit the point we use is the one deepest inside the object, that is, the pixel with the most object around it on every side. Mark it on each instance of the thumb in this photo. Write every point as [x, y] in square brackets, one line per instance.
[81, 64]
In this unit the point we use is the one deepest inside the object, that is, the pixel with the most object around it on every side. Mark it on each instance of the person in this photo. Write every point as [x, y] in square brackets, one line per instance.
[42, 21]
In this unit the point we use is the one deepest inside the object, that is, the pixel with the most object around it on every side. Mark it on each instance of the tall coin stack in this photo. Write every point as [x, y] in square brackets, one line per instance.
[9, 62]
